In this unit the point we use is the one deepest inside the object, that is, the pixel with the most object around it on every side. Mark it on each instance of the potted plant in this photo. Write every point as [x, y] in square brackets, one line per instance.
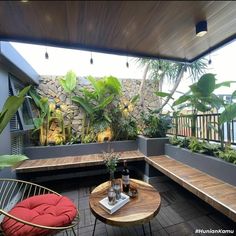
[111, 159]
[153, 138]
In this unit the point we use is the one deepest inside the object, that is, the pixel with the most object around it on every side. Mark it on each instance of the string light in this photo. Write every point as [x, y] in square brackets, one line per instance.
[160, 68]
[209, 61]
[127, 63]
[46, 55]
[185, 66]
[91, 59]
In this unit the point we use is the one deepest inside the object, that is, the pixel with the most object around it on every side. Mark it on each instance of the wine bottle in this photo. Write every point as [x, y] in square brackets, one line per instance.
[125, 178]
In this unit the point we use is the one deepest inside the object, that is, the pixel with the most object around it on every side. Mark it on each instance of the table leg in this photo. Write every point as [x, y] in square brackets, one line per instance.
[143, 230]
[94, 226]
[150, 228]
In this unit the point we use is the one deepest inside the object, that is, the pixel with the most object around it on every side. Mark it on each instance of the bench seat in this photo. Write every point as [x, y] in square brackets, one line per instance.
[218, 194]
[72, 162]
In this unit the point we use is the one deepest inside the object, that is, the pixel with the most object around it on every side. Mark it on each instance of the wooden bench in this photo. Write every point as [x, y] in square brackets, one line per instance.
[72, 162]
[218, 194]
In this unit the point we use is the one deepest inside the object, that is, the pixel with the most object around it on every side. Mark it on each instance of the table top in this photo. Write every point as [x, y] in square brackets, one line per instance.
[138, 210]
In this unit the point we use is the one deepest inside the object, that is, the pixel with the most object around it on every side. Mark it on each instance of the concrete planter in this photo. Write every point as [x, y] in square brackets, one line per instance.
[152, 146]
[211, 165]
[7, 173]
[42, 152]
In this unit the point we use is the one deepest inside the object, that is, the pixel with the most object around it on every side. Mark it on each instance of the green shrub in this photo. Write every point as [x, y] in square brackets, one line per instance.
[180, 142]
[174, 141]
[155, 125]
[228, 154]
[206, 148]
[123, 128]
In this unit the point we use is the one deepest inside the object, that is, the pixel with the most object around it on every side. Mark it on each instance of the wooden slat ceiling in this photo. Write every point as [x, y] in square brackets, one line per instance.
[158, 29]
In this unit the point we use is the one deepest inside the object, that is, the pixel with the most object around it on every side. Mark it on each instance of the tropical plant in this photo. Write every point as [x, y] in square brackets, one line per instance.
[228, 114]
[9, 109]
[68, 82]
[11, 160]
[195, 145]
[128, 129]
[228, 154]
[198, 146]
[201, 98]
[97, 103]
[49, 113]
[155, 125]
[11, 106]
[123, 123]
[42, 121]
[173, 72]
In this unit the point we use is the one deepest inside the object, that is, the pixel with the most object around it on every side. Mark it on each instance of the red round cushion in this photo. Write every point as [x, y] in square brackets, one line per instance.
[46, 210]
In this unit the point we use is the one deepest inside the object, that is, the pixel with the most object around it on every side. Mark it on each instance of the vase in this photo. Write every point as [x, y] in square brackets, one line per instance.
[112, 178]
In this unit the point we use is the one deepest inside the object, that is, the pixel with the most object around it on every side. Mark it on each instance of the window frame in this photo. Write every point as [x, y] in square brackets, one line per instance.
[12, 81]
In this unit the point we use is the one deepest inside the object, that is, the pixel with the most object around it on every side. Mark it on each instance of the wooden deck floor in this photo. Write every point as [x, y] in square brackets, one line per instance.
[72, 162]
[215, 192]
[181, 212]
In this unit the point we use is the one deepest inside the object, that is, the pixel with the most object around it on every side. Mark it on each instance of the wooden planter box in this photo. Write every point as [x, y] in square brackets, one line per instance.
[42, 152]
[152, 146]
[211, 165]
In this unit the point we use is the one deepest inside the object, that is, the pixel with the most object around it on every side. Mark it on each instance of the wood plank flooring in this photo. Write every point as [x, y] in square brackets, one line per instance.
[181, 212]
[215, 192]
[72, 162]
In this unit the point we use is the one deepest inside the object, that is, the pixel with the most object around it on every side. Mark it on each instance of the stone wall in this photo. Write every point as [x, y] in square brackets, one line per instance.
[49, 87]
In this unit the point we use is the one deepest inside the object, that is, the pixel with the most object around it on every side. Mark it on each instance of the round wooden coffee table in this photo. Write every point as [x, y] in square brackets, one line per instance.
[138, 210]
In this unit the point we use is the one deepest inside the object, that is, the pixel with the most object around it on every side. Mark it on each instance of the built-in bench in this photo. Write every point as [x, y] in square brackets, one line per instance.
[218, 194]
[73, 162]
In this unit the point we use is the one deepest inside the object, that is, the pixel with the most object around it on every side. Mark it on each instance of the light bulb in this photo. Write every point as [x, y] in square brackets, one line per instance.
[46, 55]
[160, 71]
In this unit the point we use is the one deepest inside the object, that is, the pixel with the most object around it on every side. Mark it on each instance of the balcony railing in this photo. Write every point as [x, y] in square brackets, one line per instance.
[207, 128]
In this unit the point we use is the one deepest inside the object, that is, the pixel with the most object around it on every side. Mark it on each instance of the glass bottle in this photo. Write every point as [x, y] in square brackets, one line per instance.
[125, 178]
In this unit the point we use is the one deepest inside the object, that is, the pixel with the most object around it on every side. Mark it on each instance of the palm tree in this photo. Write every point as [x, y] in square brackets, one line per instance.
[161, 70]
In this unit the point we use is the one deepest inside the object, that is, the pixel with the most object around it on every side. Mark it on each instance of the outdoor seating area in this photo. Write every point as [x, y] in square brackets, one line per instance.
[181, 212]
[217, 193]
[117, 118]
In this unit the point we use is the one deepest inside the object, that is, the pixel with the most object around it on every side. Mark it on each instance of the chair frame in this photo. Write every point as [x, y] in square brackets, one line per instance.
[9, 188]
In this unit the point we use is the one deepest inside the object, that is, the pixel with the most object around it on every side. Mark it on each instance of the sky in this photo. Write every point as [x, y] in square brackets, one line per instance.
[62, 60]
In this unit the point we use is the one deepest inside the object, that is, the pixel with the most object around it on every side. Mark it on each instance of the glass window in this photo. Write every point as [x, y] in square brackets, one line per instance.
[24, 114]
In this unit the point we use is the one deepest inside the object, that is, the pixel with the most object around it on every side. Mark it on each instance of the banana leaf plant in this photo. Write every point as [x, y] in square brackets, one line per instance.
[96, 102]
[201, 97]
[68, 82]
[9, 109]
[42, 122]
[228, 114]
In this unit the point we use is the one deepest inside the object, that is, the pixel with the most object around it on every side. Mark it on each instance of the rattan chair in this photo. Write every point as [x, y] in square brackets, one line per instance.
[13, 191]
